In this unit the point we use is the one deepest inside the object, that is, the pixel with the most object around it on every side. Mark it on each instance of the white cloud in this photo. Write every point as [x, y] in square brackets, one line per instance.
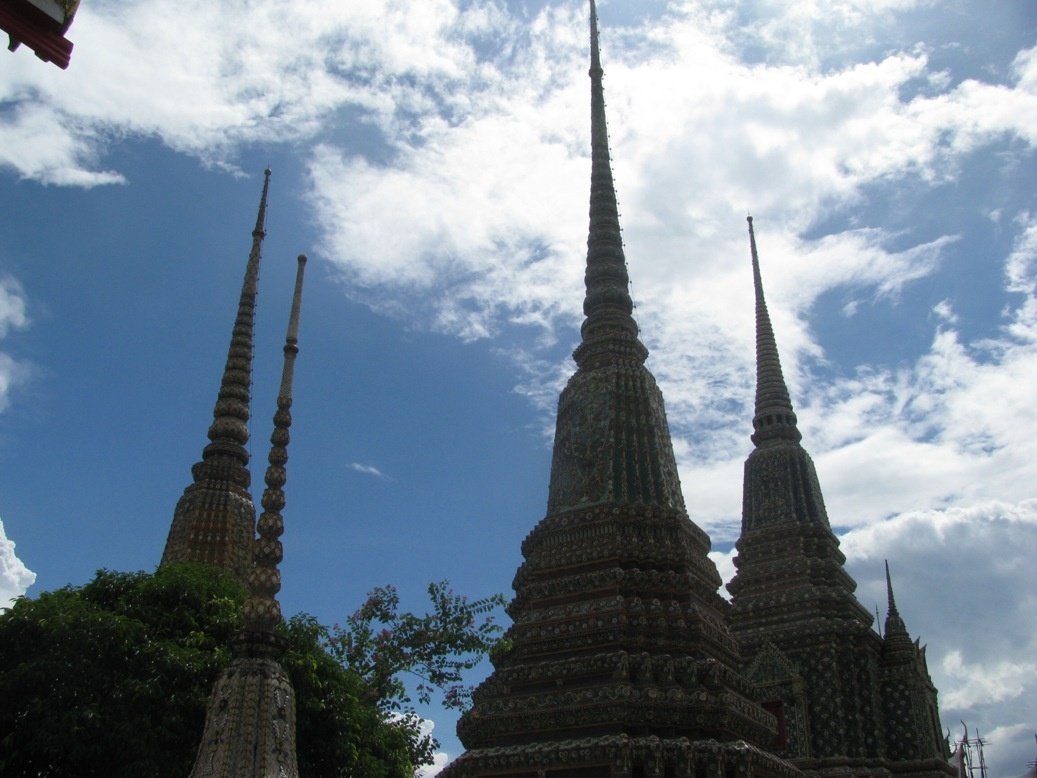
[13, 315]
[12, 306]
[45, 145]
[984, 683]
[489, 208]
[15, 577]
[367, 469]
[206, 78]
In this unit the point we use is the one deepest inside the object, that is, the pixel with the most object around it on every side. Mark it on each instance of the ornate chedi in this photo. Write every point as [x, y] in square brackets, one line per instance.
[214, 520]
[839, 691]
[250, 724]
[909, 707]
[620, 660]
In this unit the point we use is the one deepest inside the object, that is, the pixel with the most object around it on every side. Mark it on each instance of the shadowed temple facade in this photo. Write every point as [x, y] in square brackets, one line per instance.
[623, 660]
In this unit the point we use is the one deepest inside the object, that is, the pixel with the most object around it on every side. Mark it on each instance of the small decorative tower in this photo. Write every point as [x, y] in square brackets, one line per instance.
[909, 698]
[807, 641]
[621, 663]
[250, 723]
[214, 520]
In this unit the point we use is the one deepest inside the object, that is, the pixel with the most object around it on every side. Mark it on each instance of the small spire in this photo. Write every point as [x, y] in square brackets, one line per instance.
[774, 418]
[895, 627]
[891, 604]
[261, 611]
[609, 333]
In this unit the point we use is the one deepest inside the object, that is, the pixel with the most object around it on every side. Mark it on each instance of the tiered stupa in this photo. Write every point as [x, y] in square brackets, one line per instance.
[214, 521]
[848, 702]
[620, 661]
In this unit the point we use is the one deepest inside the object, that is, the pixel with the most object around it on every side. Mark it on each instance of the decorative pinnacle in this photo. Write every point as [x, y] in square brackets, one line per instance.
[895, 627]
[891, 603]
[609, 333]
[225, 457]
[261, 611]
[774, 418]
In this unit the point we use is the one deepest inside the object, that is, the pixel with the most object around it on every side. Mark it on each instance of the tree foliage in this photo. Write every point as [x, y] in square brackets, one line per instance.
[112, 678]
[386, 647]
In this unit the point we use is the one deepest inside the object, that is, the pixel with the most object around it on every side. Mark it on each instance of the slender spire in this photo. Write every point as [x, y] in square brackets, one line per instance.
[895, 627]
[891, 604]
[774, 418]
[226, 455]
[214, 520]
[261, 611]
[250, 723]
[609, 331]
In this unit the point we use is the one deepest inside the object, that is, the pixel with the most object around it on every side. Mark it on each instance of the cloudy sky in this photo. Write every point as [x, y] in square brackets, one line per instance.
[432, 158]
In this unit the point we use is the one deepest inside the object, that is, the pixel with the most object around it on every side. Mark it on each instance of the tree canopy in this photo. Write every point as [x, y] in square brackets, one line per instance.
[113, 677]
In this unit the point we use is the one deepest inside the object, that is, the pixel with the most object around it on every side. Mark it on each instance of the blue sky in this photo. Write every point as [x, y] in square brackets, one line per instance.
[433, 161]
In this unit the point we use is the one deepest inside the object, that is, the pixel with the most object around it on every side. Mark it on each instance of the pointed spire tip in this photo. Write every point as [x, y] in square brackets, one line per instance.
[774, 419]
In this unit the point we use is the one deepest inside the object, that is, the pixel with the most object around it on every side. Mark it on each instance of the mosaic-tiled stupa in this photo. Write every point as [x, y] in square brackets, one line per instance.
[848, 702]
[621, 662]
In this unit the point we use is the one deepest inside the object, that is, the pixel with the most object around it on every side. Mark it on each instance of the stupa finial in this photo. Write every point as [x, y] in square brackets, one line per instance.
[609, 333]
[229, 429]
[262, 613]
[774, 418]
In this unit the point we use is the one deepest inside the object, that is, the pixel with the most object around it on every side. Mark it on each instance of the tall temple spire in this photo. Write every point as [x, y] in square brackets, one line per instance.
[774, 418]
[637, 463]
[229, 430]
[780, 482]
[609, 333]
[620, 662]
[214, 520]
[250, 724]
[838, 686]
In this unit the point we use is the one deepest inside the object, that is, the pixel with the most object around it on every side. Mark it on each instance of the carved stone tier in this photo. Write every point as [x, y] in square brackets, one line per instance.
[622, 756]
[790, 578]
[618, 629]
[612, 442]
[213, 523]
[250, 726]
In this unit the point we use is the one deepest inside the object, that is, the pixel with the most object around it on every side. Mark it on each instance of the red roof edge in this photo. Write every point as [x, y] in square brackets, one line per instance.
[26, 24]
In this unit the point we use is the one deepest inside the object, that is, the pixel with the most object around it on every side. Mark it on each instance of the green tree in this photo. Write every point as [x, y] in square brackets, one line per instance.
[113, 677]
[387, 647]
